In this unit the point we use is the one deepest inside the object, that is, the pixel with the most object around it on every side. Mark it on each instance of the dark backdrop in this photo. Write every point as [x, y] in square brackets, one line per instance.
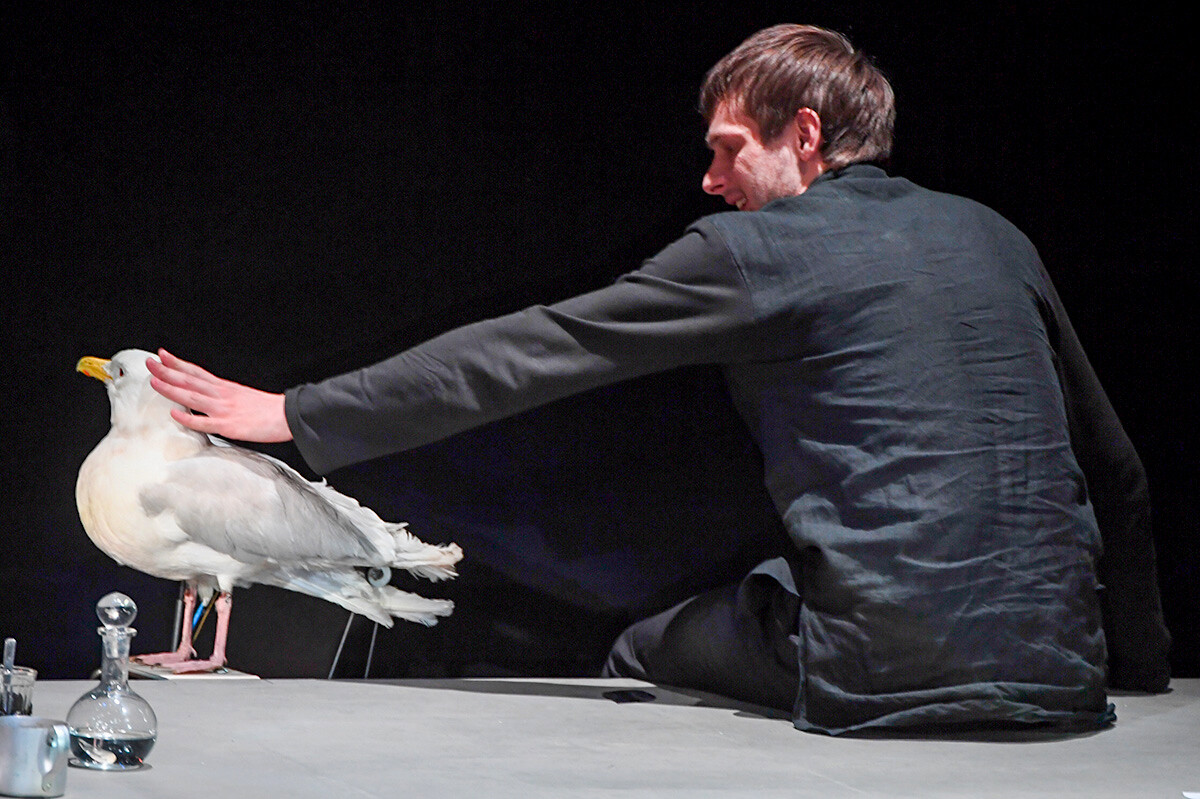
[283, 194]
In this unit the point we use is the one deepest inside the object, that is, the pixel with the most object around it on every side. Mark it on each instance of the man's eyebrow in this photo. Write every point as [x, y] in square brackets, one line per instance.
[712, 137]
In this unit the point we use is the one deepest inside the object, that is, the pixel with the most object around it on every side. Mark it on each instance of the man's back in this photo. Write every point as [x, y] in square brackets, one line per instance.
[902, 386]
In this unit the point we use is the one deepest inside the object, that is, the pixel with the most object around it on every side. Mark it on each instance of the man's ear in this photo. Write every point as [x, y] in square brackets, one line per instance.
[808, 128]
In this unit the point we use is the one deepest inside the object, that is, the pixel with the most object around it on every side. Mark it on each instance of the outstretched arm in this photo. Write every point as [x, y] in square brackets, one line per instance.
[229, 409]
[687, 305]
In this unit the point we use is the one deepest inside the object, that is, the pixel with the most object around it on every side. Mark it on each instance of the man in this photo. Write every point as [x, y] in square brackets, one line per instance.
[934, 440]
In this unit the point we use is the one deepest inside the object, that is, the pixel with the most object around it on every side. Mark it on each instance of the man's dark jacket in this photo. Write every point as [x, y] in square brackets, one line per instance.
[934, 440]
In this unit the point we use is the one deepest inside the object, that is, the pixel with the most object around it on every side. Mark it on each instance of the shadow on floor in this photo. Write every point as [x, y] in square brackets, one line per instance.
[615, 691]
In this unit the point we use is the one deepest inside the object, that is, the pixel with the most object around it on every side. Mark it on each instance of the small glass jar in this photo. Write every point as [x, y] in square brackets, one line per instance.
[112, 727]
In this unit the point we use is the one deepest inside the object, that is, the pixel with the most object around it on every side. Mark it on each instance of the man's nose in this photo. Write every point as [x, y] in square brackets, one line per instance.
[712, 182]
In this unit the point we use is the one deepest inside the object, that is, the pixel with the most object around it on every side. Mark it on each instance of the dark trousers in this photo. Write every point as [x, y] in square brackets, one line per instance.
[738, 641]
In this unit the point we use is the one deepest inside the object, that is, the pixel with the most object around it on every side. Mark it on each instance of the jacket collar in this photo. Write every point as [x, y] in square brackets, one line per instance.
[851, 171]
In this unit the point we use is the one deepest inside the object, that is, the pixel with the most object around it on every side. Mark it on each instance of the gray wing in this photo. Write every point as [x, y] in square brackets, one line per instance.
[256, 508]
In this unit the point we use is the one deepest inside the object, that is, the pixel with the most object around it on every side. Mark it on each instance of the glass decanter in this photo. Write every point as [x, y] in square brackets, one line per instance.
[112, 728]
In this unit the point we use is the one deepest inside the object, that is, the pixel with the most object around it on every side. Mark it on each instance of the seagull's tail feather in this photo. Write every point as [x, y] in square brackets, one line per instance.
[431, 561]
[399, 547]
[351, 590]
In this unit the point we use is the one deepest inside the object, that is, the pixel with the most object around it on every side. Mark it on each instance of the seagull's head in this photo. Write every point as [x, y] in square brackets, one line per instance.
[135, 405]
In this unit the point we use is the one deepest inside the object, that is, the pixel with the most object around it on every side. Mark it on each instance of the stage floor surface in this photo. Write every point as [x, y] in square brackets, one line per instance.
[354, 739]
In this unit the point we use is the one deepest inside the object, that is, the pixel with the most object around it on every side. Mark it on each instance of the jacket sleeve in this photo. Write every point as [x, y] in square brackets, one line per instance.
[684, 306]
[1136, 635]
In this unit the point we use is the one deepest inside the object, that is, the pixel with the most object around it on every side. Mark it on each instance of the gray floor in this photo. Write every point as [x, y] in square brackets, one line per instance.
[562, 738]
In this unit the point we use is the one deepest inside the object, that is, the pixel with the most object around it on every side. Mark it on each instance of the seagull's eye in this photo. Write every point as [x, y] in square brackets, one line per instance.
[120, 372]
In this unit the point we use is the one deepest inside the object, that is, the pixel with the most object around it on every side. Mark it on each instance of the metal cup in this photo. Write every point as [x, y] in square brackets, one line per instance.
[33, 756]
[17, 699]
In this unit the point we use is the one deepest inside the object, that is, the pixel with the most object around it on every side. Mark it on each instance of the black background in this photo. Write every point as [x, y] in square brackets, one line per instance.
[283, 193]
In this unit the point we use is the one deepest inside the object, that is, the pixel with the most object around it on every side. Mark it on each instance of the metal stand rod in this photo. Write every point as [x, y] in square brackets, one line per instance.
[177, 626]
[371, 651]
[338, 655]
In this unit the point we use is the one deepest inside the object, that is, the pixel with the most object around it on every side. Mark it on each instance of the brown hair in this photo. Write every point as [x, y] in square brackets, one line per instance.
[779, 70]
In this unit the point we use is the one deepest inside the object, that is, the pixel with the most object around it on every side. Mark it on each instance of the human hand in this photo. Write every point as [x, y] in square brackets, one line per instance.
[229, 409]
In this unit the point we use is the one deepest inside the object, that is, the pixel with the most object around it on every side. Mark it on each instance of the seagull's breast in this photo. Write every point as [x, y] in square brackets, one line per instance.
[108, 494]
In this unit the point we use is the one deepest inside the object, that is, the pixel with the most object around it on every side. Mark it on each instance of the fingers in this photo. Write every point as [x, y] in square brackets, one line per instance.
[201, 424]
[204, 403]
[184, 375]
[225, 408]
[180, 365]
[188, 385]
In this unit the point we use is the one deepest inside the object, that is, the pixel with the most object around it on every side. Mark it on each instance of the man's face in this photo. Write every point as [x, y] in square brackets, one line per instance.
[745, 171]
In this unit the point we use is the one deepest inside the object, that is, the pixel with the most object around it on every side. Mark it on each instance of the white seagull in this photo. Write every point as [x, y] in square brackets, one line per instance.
[182, 505]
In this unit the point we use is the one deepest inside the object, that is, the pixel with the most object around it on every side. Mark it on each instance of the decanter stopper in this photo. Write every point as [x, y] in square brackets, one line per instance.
[112, 727]
[116, 610]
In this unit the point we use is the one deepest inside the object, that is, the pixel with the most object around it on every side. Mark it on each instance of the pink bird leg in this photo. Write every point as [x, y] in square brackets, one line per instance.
[182, 660]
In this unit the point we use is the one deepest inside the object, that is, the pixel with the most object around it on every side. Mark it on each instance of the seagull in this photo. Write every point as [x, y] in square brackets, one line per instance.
[182, 505]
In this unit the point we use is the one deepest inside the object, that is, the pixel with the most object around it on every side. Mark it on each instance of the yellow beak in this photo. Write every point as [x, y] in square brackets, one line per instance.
[94, 367]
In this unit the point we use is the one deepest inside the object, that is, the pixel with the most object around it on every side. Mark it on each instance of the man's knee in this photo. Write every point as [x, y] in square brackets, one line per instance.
[622, 660]
[638, 651]
[735, 641]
